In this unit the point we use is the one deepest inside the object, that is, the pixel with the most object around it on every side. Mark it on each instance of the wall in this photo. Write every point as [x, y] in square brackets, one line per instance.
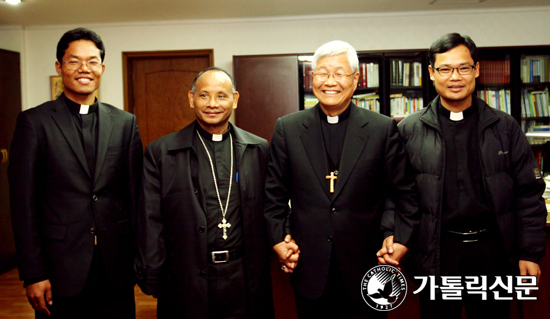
[270, 36]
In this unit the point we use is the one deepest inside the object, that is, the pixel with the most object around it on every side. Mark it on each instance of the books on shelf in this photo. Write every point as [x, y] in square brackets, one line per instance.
[535, 69]
[369, 75]
[406, 73]
[369, 101]
[498, 99]
[402, 105]
[538, 128]
[535, 103]
[494, 72]
[307, 75]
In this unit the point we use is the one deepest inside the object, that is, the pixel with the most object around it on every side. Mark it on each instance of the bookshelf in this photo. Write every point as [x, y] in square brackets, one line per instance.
[274, 85]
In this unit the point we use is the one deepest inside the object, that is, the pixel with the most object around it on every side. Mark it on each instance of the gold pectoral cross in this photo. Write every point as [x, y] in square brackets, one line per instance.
[332, 177]
[225, 225]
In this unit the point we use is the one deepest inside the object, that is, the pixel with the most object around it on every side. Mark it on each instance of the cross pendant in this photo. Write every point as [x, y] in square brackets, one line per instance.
[332, 177]
[225, 225]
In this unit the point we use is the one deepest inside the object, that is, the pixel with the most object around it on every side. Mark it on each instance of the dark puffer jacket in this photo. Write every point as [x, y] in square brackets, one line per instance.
[512, 182]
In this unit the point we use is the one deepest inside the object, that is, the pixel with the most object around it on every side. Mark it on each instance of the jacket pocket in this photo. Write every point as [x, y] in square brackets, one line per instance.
[55, 232]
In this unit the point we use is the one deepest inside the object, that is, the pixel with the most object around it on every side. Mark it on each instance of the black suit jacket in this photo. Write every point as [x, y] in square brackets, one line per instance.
[373, 167]
[58, 208]
[172, 231]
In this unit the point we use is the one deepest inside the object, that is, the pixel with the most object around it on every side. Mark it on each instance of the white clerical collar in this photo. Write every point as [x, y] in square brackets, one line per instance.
[332, 119]
[217, 137]
[84, 109]
[456, 116]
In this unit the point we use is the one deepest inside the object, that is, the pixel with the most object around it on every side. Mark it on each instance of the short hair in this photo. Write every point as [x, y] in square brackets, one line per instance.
[450, 41]
[214, 68]
[79, 34]
[334, 48]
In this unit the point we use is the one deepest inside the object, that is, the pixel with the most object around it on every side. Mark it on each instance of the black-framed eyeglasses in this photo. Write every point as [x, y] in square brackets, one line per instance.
[462, 70]
[323, 76]
[77, 64]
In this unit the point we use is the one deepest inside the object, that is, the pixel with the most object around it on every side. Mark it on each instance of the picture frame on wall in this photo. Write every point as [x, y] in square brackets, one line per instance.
[56, 87]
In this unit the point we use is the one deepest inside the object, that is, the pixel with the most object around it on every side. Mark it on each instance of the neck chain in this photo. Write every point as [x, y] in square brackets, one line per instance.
[224, 224]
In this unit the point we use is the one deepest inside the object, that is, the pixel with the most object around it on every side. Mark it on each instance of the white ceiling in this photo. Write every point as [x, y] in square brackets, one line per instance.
[71, 12]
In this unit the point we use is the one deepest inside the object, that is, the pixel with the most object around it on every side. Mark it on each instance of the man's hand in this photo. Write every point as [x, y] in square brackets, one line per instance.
[391, 253]
[39, 294]
[288, 253]
[529, 268]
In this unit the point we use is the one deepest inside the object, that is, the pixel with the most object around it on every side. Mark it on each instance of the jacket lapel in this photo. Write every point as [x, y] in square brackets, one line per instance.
[105, 122]
[354, 143]
[62, 117]
[312, 140]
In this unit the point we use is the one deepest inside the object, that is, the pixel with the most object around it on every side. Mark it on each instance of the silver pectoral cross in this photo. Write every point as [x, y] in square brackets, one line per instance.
[225, 225]
[332, 177]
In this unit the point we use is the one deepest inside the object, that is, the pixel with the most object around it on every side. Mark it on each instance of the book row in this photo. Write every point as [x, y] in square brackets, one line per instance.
[402, 105]
[535, 69]
[494, 72]
[499, 99]
[404, 73]
[535, 103]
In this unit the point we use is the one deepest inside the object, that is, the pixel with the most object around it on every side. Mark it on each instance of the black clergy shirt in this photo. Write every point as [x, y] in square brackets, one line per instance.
[333, 137]
[220, 154]
[464, 203]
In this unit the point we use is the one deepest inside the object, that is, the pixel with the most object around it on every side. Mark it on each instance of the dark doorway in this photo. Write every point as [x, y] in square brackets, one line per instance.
[10, 106]
[156, 85]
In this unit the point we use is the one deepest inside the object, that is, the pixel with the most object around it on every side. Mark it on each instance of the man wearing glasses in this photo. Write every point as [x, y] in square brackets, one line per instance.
[479, 187]
[74, 176]
[337, 164]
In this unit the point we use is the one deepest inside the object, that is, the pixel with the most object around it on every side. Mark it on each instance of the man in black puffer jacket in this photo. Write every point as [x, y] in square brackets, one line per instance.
[479, 187]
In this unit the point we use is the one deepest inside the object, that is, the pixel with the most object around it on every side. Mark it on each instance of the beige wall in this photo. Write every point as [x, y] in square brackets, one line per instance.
[270, 36]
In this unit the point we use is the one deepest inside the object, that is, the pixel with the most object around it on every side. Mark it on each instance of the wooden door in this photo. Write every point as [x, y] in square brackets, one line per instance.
[156, 86]
[269, 88]
[10, 106]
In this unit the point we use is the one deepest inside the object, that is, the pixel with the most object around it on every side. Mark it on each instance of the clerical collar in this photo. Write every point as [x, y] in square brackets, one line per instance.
[335, 119]
[80, 108]
[456, 116]
[212, 137]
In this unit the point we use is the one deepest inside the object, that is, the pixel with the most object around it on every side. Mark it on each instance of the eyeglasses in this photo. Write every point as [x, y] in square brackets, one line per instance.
[323, 76]
[77, 64]
[462, 70]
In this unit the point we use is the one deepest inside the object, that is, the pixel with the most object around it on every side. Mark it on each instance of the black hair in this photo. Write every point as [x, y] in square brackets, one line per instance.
[214, 68]
[79, 34]
[450, 41]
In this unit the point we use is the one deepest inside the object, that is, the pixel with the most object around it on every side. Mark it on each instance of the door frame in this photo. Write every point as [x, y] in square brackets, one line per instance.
[129, 57]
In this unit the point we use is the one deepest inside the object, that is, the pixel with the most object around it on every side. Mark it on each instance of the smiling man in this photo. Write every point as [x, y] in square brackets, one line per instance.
[201, 231]
[479, 185]
[337, 164]
[74, 177]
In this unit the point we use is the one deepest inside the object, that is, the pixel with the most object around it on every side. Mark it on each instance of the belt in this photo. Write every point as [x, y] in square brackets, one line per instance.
[469, 237]
[223, 256]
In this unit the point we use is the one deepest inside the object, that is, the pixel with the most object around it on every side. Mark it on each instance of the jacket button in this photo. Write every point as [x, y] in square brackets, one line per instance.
[202, 273]
[94, 198]
[329, 238]
[201, 229]
[195, 191]
[333, 210]
[92, 231]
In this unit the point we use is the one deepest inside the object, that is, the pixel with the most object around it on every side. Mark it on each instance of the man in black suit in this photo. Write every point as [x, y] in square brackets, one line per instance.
[74, 174]
[201, 229]
[337, 164]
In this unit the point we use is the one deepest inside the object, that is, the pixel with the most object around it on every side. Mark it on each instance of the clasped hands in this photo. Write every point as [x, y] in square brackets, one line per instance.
[288, 253]
[391, 253]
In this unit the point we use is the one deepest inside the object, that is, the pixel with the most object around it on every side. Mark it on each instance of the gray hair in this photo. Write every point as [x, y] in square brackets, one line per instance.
[214, 68]
[334, 48]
